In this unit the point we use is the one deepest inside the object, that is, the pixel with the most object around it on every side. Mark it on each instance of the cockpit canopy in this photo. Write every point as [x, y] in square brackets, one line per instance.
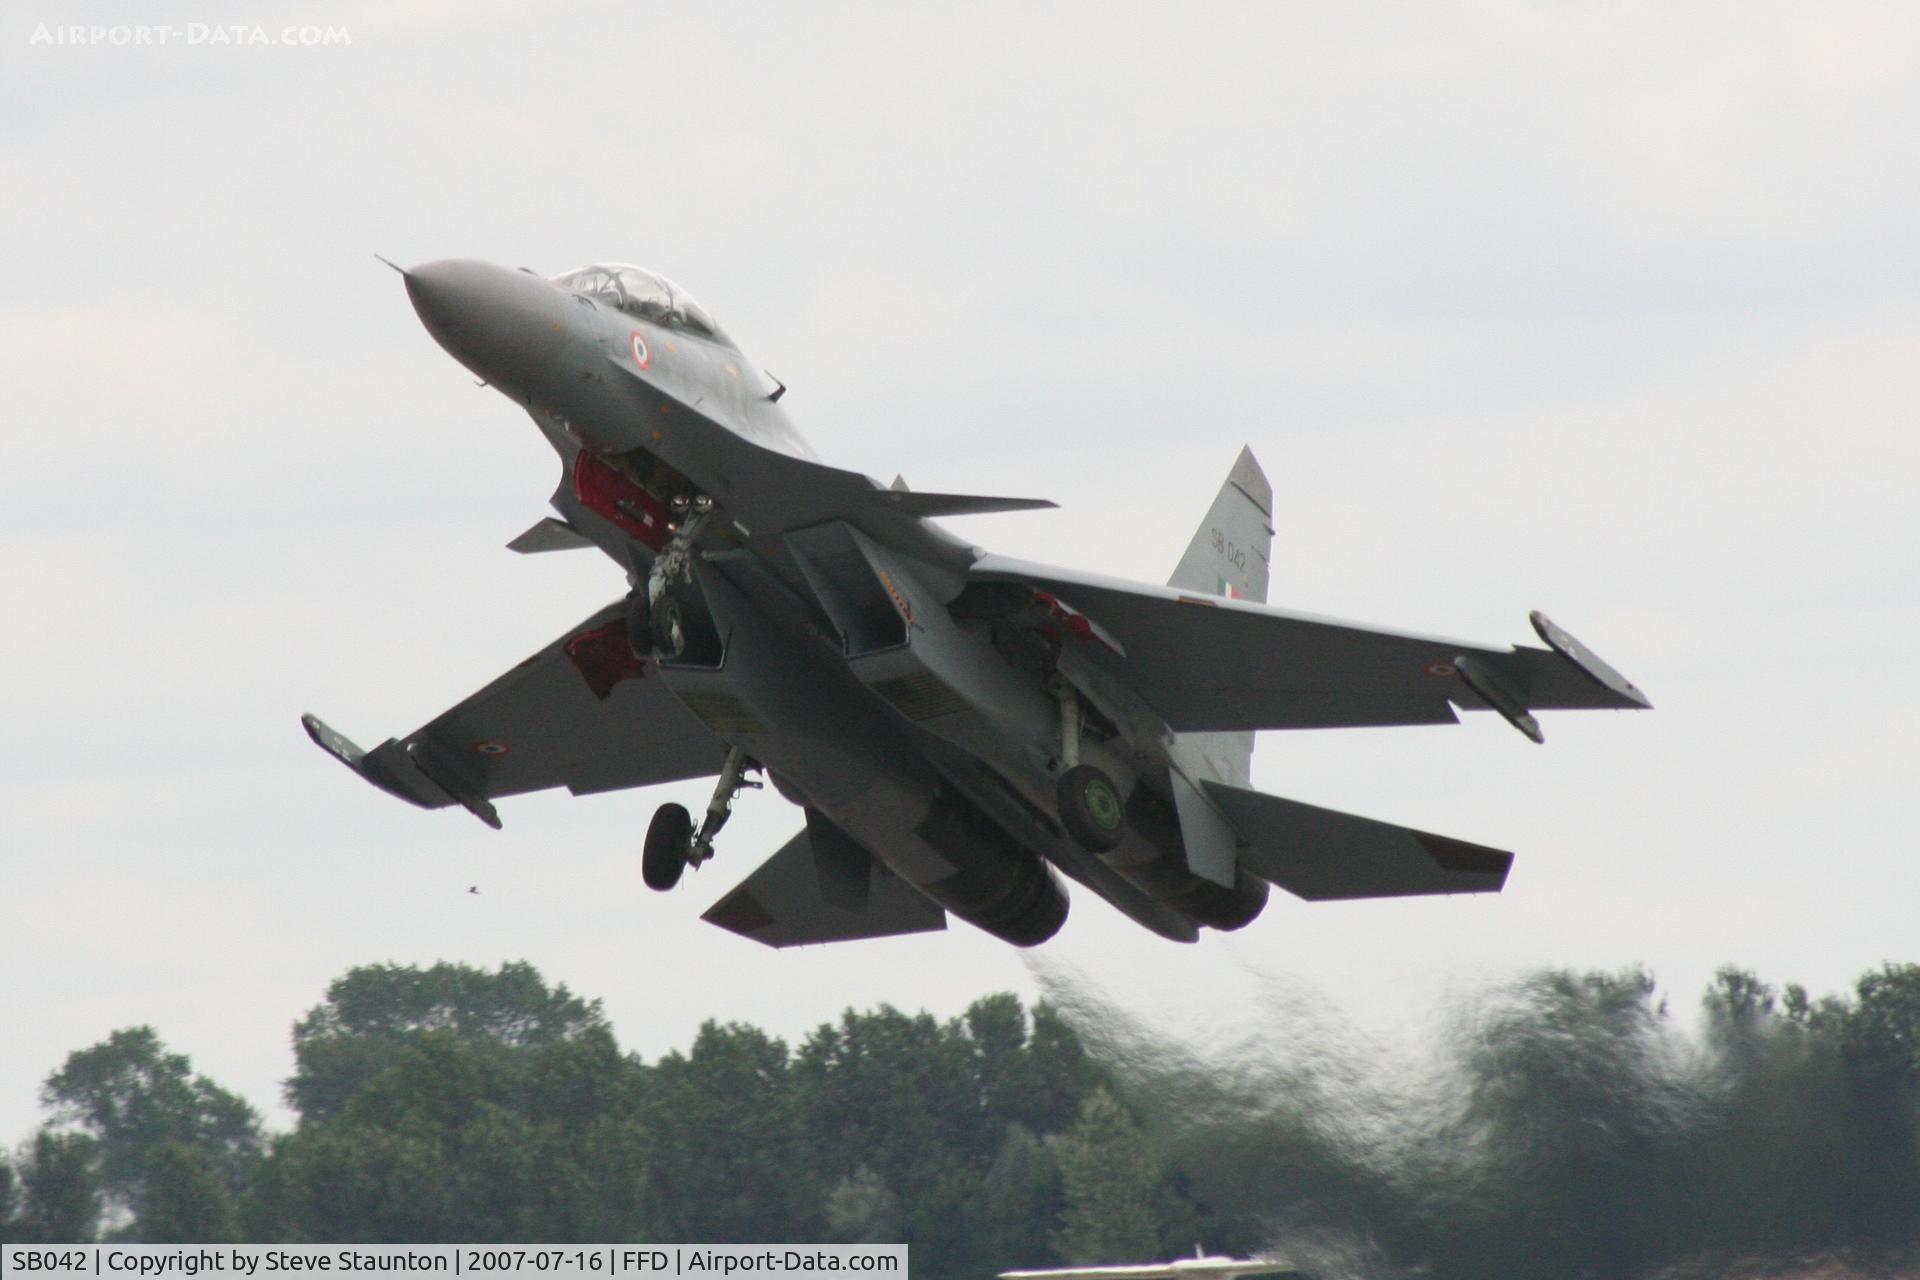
[642, 294]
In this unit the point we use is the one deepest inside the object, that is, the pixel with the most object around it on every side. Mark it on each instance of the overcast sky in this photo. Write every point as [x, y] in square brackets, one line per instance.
[1611, 311]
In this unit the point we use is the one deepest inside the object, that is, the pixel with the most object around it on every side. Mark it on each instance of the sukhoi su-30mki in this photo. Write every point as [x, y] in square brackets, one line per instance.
[961, 730]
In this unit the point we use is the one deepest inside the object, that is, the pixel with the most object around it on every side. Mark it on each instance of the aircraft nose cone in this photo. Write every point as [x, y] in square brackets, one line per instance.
[504, 325]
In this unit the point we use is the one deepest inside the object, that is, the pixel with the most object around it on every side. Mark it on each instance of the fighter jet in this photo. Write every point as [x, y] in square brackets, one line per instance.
[963, 732]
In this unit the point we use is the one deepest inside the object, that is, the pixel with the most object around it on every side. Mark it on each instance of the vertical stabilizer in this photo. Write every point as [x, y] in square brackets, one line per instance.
[1228, 557]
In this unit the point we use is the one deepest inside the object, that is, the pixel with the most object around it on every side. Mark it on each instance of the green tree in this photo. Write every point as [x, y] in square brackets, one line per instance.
[372, 1012]
[1110, 1186]
[1882, 1036]
[453, 1103]
[459, 1139]
[894, 1092]
[184, 1199]
[9, 1198]
[727, 1161]
[59, 1190]
[1031, 1073]
[928, 1108]
[901, 1095]
[862, 1209]
[995, 1030]
[1767, 1169]
[1575, 1107]
[137, 1099]
[1880, 1046]
[1020, 1200]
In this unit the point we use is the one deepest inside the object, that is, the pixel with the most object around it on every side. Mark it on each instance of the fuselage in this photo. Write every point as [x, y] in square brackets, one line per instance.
[850, 657]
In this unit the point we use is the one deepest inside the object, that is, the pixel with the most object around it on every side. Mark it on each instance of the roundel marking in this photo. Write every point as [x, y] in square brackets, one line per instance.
[642, 354]
[1442, 669]
[492, 748]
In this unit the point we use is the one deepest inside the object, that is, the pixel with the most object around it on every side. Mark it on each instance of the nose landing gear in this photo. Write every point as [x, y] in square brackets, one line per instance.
[672, 844]
[663, 617]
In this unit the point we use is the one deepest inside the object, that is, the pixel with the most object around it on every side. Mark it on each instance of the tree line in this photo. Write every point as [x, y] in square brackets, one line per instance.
[455, 1104]
[1565, 1126]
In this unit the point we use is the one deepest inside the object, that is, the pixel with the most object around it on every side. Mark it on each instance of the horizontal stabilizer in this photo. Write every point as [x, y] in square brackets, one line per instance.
[953, 504]
[822, 887]
[1320, 854]
[549, 535]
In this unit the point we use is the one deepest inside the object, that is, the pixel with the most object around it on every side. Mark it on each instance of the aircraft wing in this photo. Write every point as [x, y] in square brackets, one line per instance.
[822, 887]
[583, 713]
[1208, 663]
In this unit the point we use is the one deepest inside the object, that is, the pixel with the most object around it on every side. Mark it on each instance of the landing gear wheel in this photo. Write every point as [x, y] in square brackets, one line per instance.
[669, 840]
[1091, 809]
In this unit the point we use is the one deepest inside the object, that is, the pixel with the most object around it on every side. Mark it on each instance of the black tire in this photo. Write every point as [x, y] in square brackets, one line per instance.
[669, 840]
[1091, 808]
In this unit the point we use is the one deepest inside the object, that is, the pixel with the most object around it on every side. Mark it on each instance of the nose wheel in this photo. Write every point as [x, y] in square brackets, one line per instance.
[669, 842]
[673, 845]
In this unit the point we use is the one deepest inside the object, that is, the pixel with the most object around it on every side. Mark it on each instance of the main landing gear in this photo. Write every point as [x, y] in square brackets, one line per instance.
[1090, 808]
[1090, 805]
[673, 845]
